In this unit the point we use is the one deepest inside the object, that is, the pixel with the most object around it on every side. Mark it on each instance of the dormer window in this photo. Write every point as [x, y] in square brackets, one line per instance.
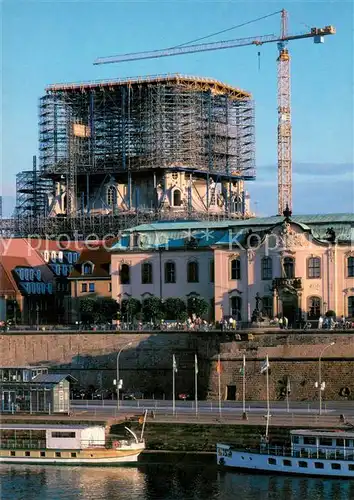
[87, 268]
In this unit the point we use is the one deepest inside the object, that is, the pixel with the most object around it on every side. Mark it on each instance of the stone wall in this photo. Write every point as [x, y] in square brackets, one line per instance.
[146, 364]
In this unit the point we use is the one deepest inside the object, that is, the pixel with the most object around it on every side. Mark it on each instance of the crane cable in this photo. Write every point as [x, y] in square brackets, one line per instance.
[228, 29]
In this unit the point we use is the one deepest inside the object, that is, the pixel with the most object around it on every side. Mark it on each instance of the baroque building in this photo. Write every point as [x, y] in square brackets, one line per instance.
[300, 267]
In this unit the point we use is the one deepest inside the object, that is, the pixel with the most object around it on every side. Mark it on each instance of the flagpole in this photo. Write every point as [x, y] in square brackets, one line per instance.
[173, 385]
[196, 383]
[287, 396]
[244, 388]
[268, 409]
[219, 383]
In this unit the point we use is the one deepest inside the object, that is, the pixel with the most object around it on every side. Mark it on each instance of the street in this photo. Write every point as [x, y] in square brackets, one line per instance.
[298, 412]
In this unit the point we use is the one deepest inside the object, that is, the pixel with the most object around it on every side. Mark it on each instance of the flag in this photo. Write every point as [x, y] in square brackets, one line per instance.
[243, 367]
[174, 364]
[196, 364]
[218, 366]
[265, 366]
[288, 387]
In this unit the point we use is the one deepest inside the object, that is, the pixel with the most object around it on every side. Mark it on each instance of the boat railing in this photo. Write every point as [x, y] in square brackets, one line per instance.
[24, 444]
[325, 454]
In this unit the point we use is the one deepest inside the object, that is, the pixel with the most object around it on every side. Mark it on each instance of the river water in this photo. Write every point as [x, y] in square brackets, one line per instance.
[161, 482]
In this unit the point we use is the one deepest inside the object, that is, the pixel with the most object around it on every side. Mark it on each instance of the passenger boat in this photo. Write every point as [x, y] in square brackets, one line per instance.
[67, 444]
[312, 452]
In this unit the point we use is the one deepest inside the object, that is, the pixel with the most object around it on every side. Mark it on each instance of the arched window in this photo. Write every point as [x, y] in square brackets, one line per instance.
[235, 307]
[111, 196]
[170, 272]
[177, 199]
[125, 274]
[289, 267]
[236, 204]
[192, 272]
[351, 307]
[146, 273]
[87, 268]
[235, 269]
[350, 263]
[267, 268]
[314, 267]
[313, 307]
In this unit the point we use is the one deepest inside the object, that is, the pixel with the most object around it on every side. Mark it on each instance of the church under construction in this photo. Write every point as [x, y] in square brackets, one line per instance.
[117, 153]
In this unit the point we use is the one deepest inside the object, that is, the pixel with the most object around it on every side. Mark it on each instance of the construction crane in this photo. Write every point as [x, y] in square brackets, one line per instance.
[284, 107]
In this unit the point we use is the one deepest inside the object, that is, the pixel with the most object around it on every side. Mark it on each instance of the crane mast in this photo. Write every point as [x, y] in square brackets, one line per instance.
[284, 123]
[284, 106]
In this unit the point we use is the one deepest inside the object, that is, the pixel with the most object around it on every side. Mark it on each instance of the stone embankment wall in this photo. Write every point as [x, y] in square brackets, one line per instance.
[146, 364]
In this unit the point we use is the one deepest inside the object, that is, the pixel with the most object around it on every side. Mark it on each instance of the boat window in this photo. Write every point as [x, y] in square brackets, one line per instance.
[73, 454]
[58, 454]
[351, 467]
[336, 466]
[272, 461]
[42, 453]
[287, 463]
[12, 453]
[302, 463]
[319, 465]
[27, 453]
[325, 441]
[340, 442]
[63, 434]
[296, 439]
[309, 440]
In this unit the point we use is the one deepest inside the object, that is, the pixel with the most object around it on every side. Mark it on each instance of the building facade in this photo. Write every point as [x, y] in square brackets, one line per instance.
[299, 267]
[34, 286]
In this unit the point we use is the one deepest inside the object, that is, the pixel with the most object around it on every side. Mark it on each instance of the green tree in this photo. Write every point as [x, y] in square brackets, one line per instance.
[98, 309]
[87, 309]
[106, 309]
[130, 309]
[331, 314]
[175, 308]
[198, 306]
[152, 309]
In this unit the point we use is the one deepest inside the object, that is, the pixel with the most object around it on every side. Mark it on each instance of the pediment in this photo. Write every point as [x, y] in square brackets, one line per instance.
[288, 235]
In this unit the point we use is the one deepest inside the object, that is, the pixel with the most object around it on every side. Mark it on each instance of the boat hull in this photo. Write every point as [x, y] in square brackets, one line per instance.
[278, 464]
[71, 461]
[71, 457]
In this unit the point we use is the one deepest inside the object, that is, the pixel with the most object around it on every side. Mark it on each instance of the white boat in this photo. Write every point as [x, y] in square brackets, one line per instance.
[312, 452]
[67, 445]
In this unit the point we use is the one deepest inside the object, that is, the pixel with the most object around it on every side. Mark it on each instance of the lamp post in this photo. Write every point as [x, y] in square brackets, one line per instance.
[320, 375]
[117, 374]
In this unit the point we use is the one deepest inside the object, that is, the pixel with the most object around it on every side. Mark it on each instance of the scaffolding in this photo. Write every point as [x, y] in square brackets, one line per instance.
[133, 131]
[32, 193]
[147, 123]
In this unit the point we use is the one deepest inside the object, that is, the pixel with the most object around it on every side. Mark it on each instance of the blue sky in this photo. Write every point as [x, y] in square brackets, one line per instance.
[55, 41]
